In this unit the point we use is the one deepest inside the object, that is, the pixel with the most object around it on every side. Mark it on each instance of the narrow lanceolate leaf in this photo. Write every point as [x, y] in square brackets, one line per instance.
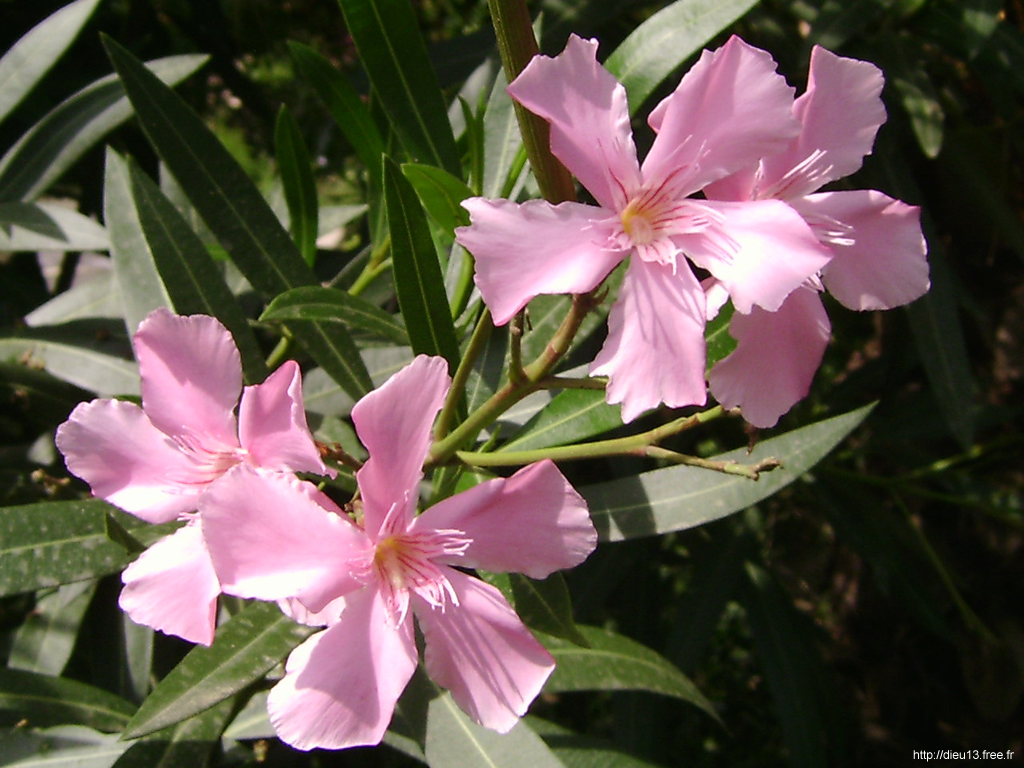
[677, 498]
[578, 750]
[195, 283]
[48, 227]
[63, 746]
[299, 186]
[392, 51]
[502, 142]
[658, 46]
[234, 210]
[344, 103]
[718, 340]
[43, 643]
[247, 647]
[90, 354]
[613, 662]
[455, 741]
[29, 59]
[572, 416]
[190, 743]
[58, 542]
[418, 276]
[544, 605]
[44, 700]
[330, 305]
[139, 287]
[64, 134]
[441, 194]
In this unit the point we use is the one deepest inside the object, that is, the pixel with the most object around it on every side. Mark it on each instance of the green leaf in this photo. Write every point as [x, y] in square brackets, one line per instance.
[58, 542]
[96, 296]
[657, 47]
[234, 211]
[192, 279]
[504, 155]
[344, 103]
[45, 641]
[65, 133]
[545, 605]
[252, 643]
[677, 498]
[63, 746]
[573, 415]
[140, 289]
[455, 741]
[440, 193]
[299, 186]
[392, 51]
[613, 662]
[87, 353]
[29, 59]
[418, 278]
[48, 227]
[718, 340]
[331, 305]
[580, 751]
[190, 743]
[45, 700]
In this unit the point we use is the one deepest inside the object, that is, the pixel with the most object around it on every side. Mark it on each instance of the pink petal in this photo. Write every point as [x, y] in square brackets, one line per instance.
[760, 251]
[524, 250]
[730, 110]
[394, 423]
[191, 375]
[272, 424]
[272, 536]
[341, 685]
[482, 653]
[114, 447]
[655, 347]
[589, 116]
[171, 587]
[879, 260]
[840, 112]
[774, 362]
[532, 523]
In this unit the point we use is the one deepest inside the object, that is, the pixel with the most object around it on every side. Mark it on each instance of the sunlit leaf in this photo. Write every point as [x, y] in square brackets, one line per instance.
[45, 641]
[63, 746]
[330, 305]
[190, 743]
[440, 193]
[677, 498]
[572, 416]
[48, 227]
[255, 640]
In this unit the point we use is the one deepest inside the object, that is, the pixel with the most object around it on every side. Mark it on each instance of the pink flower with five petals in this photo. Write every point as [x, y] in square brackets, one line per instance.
[877, 244]
[730, 109]
[156, 461]
[276, 538]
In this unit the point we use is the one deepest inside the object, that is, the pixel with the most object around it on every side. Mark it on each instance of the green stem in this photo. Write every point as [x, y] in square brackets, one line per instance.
[517, 46]
[279, 353]
[640, 444]
[476, 343]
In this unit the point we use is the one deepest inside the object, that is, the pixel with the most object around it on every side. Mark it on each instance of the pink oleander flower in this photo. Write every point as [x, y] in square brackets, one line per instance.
[157, 461]
[730, 109]
[276, 538]
[877, 245]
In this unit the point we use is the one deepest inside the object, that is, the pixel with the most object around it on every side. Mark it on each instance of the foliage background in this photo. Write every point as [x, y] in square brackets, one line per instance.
[870, 609]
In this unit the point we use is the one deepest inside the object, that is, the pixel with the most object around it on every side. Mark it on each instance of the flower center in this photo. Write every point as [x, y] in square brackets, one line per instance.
[639, 223]
[210, 458]
[403, 563]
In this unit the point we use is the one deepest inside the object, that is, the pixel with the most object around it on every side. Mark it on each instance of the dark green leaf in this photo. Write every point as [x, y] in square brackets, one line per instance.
[613, 662]
[48, 227]
[664, 41]
[45, 700]
[29, 59]
[330, 305]
[580, 751]
[234, 211]
[440, 193]
[344, 103]
[63, 746]
[418, 279]
[391, 48]
[255, 640]
[677, 498]
[503, 143]
[719, 341]
[193, 280]
[62, 136]
[45, 641]
[190, 743]
[299, 186]
[545, 605]
[58, 542]
[572, 416]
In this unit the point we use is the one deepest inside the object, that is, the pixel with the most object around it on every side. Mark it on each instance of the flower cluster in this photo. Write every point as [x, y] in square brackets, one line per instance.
[254, 529]
[759, 235]
[733, 131]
